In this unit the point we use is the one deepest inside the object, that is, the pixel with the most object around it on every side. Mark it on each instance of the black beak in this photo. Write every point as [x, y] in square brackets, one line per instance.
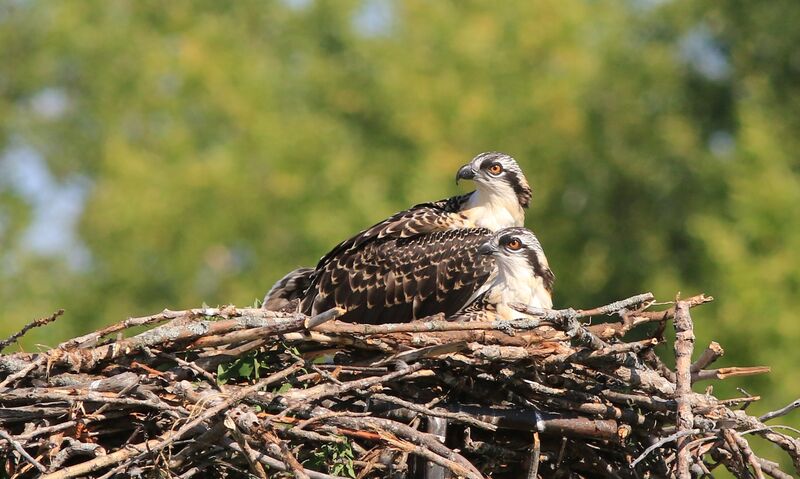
[487, 248]
[465, 173]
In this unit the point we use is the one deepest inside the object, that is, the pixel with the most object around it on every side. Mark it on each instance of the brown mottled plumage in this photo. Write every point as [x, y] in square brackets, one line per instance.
[399, 279]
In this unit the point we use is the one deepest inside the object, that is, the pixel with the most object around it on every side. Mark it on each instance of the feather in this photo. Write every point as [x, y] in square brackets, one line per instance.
[405, 280]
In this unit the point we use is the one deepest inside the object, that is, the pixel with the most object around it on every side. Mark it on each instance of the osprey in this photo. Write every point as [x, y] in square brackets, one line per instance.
[521, 275]
[416, 262]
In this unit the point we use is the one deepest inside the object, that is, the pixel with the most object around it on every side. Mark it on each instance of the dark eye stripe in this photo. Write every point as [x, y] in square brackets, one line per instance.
[487, 163]
[504, 240]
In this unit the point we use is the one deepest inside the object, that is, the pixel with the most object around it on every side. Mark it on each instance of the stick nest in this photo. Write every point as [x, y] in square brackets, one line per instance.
[245, 392]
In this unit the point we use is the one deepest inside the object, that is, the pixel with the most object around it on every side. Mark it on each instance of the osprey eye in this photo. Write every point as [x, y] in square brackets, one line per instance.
[514, 244]
[496, 169]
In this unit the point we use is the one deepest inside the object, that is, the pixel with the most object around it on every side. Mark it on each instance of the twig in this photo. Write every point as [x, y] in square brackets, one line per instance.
[101, 462]
[780, 412]
[194, 367]
[616, 306]
[567, 319]
[725, 373]
[661, 442]
[299, 397]
[423, 326]
[323, 318]
[252, 461]
[460, 417]
[427, 445]
[748, 453]
[275, 463]
[772, 469]
[11, 378]
[286, 454]
[21, 450]
[713, 352]
[33, 324]
[533, 469]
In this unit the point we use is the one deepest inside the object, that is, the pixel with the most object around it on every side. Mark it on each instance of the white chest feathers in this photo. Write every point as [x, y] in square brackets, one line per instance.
[493, 210]
[508, 289]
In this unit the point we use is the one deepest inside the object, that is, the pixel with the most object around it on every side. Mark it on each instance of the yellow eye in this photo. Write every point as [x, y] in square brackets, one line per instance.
[496, 169]
[514, 244]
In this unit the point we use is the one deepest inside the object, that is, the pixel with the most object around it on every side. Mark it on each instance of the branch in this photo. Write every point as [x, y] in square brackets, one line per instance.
[684, 344]
[33, 324]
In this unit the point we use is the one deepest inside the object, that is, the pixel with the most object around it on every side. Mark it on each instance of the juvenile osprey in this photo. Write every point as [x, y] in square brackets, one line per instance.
[415, 263]
[520, 274]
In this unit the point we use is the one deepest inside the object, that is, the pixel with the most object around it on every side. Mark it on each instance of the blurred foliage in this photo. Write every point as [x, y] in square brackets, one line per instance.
[218, 145]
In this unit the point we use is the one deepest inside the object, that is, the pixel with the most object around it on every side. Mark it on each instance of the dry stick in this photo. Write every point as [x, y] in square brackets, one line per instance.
[194, 367]
[425, 445]
[546, 423]
[670, 313]
[239, 335]
[616, 306]
[295, 323]
[725, 373]
[748, 453]
[92, 337]
[286, 454]
[420, 353]
[249, 454]
[297, 397]
[324, 317]
[23, 372]
[101, 462]
[587, 355]
[787, 443]
[568, 321]
[425, 327]
[736, 454]
[713, 352]
[772, 469]
[661, 442]
[533, 471]
[780, 412]
[18, 447]
[459, 417]
[123, 392]
[65, 425]
[275, 463]
[684, 344]
[85, 359]
[39, 396]
[233, 399]
[745, 400]
[267, 323]
[633, 319]
[33, 324]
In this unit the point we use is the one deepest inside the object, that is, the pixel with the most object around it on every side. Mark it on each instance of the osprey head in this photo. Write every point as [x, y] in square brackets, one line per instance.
[518, 254]
[497, 174]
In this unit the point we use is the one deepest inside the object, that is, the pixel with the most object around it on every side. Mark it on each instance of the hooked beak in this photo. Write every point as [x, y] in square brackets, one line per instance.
[465, 173]
[487, 248]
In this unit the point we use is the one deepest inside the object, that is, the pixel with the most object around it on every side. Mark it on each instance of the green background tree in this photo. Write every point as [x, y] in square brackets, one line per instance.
[167, 154]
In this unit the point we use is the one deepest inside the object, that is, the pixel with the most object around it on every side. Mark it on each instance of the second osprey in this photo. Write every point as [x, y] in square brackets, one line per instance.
[420, 261]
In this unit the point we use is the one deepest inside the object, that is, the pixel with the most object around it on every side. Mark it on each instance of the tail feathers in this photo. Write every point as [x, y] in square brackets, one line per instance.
[289, 290]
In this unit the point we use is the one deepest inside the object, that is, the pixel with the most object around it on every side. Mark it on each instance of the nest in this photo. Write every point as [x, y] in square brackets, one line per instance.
[243, 392]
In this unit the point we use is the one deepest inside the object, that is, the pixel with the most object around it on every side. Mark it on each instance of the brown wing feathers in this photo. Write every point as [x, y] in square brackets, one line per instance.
[421, 218]
[395, 279]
